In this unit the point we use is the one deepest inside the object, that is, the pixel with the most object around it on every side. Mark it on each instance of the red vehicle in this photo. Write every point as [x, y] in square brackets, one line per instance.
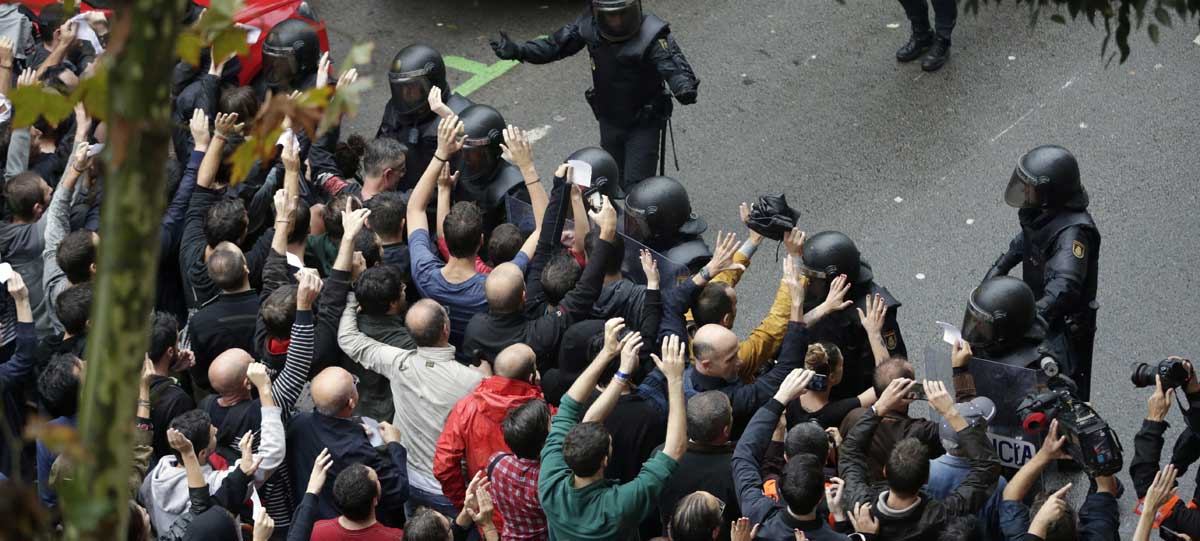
[260, 14]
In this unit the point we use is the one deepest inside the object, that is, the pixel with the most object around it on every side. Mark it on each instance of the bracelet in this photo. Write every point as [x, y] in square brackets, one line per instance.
[141, 402]
[705, 274]
[621, 375]
[219, 136]
[439, 158]
[77, 169]
[534, 182]
[8, 67]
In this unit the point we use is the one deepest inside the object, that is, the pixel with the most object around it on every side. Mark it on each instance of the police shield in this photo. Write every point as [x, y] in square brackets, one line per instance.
[520, 214]
[1006, 386]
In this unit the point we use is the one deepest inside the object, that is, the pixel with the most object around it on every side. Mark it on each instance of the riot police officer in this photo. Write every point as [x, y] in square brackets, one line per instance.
[290, 56]
[633, 55]
[1059, 249]
[999, 323]
[414, 73]
[825, 256]
[485, 177]
[658, 214]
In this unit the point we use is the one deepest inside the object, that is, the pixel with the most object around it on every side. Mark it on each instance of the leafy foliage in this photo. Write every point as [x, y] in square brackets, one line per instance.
[215, 29]
[31, 102]
[1128, 15]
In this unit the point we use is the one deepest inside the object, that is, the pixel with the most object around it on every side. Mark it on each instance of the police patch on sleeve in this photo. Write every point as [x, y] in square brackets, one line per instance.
[1078, 250]
[889, 339]
[663, 43]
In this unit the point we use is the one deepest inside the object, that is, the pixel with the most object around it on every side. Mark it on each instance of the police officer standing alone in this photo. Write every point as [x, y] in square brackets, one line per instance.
[633, 54]
[1059, 249]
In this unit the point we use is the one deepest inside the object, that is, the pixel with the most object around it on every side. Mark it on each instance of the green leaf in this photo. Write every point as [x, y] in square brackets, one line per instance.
[31, 102]
[1058, 19]
[358, 55]
[188, 47]
[1162, 16]
[227, 8]
[1153, 31]
[69, 7]
[242, 160]
[229, 41]
[344, 102]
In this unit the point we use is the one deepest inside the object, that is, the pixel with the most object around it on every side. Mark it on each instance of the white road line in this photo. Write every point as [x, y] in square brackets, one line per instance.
[998, 135]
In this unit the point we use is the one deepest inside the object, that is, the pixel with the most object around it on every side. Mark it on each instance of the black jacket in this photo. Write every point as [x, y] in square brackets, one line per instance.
[927, 517]
[487, 333]
[167, 400]
[225, 323]
[1147, 449]
[308, 433]
[709, 469]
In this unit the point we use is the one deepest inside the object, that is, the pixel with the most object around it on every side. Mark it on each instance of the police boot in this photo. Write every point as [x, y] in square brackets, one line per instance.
[937, 56]
[918, 43]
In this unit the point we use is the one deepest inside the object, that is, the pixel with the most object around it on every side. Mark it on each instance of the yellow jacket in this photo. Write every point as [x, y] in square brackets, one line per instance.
[764, 341]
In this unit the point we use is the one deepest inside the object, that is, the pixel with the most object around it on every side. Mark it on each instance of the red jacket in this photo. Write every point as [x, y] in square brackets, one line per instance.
[472, 433]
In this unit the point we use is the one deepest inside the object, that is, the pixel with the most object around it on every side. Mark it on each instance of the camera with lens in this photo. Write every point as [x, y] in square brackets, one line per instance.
[1090, 441]
[1174, 372]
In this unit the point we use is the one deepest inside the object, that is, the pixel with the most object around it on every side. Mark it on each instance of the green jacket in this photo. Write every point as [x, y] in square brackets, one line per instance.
[601, 510]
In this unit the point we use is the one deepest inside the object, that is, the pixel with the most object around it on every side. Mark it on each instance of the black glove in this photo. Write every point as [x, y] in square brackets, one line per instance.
[686, 98]
[505, 49]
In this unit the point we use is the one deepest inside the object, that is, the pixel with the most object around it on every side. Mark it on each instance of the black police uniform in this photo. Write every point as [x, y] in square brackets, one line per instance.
[1058, 247]
[414, 124]
[290, 56]
[846, 331]
[658, 215]
[825, 256]
[486, 178]
[628, 95]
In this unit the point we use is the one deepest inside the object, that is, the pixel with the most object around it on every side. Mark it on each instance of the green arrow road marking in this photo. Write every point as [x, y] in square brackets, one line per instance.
[481, 74]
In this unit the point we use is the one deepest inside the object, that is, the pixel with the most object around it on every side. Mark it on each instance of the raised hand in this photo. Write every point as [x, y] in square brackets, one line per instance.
[1054, 446]
[17, 289]
[290, 156]
[960, 355]
[1161, 489]
[320, 470]
[1159, 403]
[28, 77]
[722, 259]
[310, 288]
[199, 128]
[938, 397]
[794, 385]
[227, 125]
[612, 336]
[445, 180]
[323, 71]
[863, 520]
[834, 491]
[348, 78]
[893, 396]
[872, 318]
[674, 358]
[264, 525]
[794, 242]
[450, 138]
[248, 463]
[1055, 506]
[353, 221]
[740, 530]
[605, 216]
[516, 144]
[257, 374]
[436, 104]
[631, 345]
[649, 268]
[6, 52]
[179, 442]
[389, 432]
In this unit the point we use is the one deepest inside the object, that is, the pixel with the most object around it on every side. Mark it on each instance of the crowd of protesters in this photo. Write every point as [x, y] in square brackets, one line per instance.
[326, 362]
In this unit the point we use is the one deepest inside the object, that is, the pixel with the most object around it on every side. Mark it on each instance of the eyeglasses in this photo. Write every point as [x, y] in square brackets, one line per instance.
[720, 506]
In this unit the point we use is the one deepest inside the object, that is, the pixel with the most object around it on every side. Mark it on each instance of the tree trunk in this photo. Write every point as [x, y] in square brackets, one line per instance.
[142, 55]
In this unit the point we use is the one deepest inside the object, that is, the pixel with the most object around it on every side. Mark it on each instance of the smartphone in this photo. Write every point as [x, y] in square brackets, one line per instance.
[592, 196]
[917, 392]
[819, 382]
[6, 272]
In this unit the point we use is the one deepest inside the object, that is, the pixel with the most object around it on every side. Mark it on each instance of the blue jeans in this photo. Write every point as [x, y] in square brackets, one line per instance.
[437, 502]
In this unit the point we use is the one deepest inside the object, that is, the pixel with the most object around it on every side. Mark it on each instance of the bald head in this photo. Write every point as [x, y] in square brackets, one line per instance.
[227, 267]
[333, 392]
[715, 348]
[505, 289]
[427, 322]
[515, 362]
[227, 373]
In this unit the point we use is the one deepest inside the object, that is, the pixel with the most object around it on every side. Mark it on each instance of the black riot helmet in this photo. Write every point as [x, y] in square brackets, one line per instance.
[1046, 177]
[657, 210]
[290, 55]
[415, 70]
[828, 254]
[1001, 312]
[480, 154]
[617, 20]
[604, 169]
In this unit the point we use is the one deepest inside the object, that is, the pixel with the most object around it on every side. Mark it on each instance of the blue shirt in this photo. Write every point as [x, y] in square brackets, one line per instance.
[464, 299]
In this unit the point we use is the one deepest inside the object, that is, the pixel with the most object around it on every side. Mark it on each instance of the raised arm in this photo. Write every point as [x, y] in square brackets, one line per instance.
[450, 141]
[565, 42]
[752, 446]
[286, 388]
[516, 144]
[872, 322]
[18, 367]
[579, 300]
[272, 442]
[226, 125]
[586, 381]
[362, 349]
[1052, 449]
[672, 365]
[548, 238]
[603, 406]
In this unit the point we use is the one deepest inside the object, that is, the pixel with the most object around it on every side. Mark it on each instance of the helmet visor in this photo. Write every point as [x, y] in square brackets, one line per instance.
[410, 90]
[618, 20]
[637, 224]
[279, 66]
[1022, 192]
[477, 159]
[979, 327]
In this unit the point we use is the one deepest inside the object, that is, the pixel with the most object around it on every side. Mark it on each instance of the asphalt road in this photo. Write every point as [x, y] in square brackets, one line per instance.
[806, 98]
